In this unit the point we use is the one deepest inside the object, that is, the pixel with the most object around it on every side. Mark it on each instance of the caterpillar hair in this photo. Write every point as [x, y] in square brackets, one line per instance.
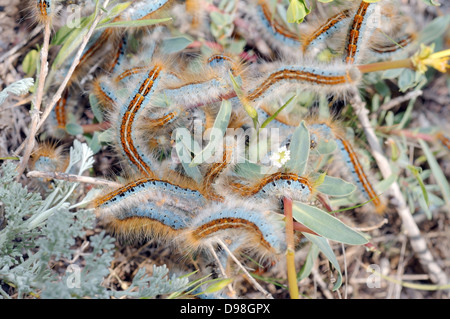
[129, 113]
[329, 130]
[360, 31]
[182, 194]
[277, 35]
[336, 79]
[443, 139]
[316, 39]
[276, 185]
[146, 221]
[48, 157]
[243, 223]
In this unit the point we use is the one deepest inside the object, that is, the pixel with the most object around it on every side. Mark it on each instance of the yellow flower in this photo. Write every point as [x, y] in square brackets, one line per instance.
[426, 57]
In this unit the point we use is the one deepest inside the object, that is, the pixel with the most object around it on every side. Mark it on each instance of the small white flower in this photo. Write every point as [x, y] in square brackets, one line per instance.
[281, 157]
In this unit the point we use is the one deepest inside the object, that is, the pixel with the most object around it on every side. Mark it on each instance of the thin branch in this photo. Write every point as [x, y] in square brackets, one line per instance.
[73, 178]
[400, 99]
[63, 85]
[35, 112]
[418, 243]
[252, 280]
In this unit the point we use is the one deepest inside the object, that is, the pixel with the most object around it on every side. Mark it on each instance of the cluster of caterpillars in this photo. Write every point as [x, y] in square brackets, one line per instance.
[148, 95]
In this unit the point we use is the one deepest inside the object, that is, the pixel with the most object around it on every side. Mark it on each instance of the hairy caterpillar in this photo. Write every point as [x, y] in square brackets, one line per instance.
[360, 31]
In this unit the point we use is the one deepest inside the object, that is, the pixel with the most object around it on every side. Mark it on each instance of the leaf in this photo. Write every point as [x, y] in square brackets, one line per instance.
[30, 62]
[334, 186]
[240, 94]
[274, 115]
[218, 285]
[309, 262]
[299, 148]
[133, 23]
[217, 132]
[437, 172]
[17, 88]
[107, 136]
[326, 249]
[434, 30]
[326, 147]
[176, 44]
[416, 173]
[95, 107]
[184, 149]
[74, 129]
[297, 11]
[326, 225]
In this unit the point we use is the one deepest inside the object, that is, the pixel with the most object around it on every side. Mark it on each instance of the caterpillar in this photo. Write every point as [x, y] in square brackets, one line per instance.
[315, 78]
[359, 32]
[275, 186]
[144, 189]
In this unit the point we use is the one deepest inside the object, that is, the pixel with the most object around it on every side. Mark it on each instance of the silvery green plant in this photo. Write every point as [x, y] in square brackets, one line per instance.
[38, 231]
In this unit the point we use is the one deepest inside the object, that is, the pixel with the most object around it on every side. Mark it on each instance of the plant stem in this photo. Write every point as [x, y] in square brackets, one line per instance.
[418, 243]
[290, 251]
[35, 112]
[386, 65]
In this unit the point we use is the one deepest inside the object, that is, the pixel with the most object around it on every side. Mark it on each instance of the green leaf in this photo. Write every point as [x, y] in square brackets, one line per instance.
[416, 172]
[326, 147]
[434, 30]
[334, 186]
[274, 115]
[240, 94]
[133, 23]
[326, 249]
[309, 262]
[106, 136]
[95, 107]
[176, 44]
[184, 149]
[74, 129]
[218, 285]
[437, 172]
[30, 62]
[216, 135]
[72, 42]
[297, 11]
[299, 148]
[326, 225]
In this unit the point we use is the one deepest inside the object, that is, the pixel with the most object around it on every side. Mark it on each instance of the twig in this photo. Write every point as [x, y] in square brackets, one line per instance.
[418, 243]
[63, 85]
[321, 283]
[35, 112]
[73, 178]
[252, 280]
[400, 99]
[222, 270]
[379, 225]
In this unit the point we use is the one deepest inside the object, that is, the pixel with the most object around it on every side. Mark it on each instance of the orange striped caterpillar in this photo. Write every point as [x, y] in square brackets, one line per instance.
[315, 78]
[244, 225]
[276, 185]
[359, 32]
[278, 32]
[327, 131]
[443, 139]
[325, 31]
[129, 112]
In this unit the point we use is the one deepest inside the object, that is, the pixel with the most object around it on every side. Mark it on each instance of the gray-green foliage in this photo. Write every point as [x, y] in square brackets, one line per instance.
[40, 232]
